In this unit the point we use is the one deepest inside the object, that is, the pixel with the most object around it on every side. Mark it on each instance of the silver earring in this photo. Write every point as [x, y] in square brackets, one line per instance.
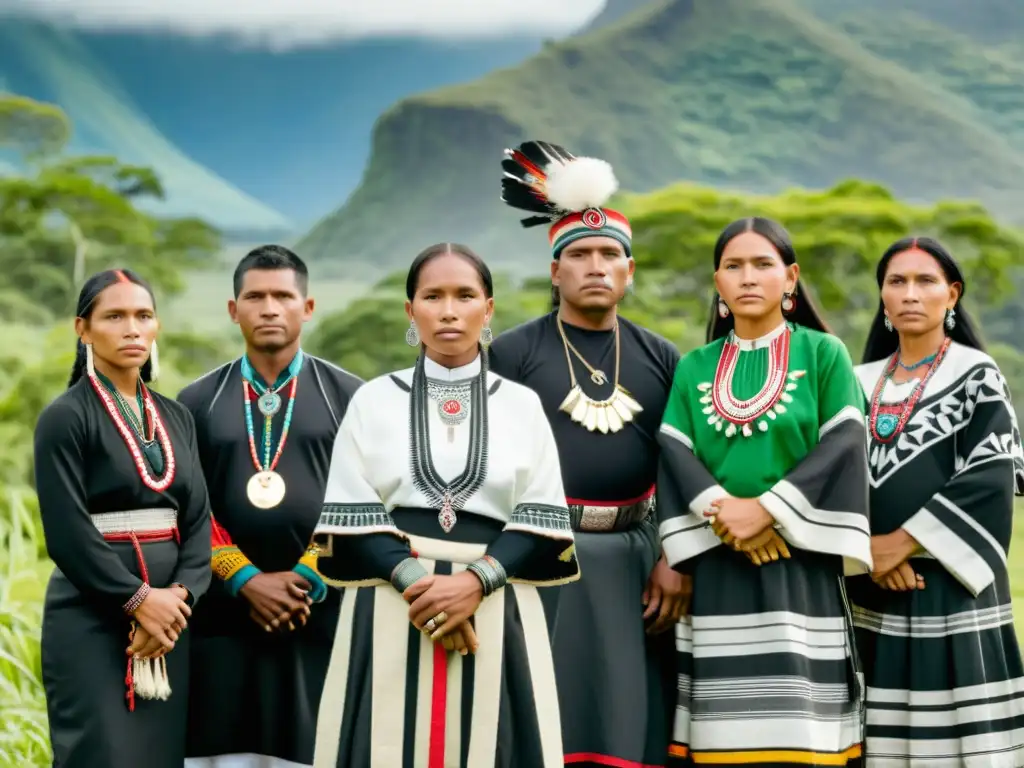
[154, 363]
[787, 302]
[723, 309]
[412, 336]
[486, 337]
[950, 319]
[89, 367]
[888, 323]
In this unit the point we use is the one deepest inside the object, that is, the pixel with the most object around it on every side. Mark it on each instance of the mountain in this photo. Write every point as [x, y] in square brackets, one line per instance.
[755, 95]
[255, 139]
[989, 21]
[52, 65]
[987, 78]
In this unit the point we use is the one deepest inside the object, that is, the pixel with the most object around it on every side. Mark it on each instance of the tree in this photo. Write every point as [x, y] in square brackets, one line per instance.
[31, 128]
[839, 235]
[70, 216]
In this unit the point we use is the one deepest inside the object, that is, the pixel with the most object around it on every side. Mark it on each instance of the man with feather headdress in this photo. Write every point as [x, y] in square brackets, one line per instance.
[604, 382]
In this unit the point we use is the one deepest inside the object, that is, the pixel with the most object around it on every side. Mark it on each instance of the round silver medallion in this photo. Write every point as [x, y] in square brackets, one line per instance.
[269, 403]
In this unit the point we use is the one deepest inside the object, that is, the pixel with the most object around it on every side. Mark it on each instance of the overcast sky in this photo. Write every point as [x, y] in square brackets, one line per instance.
[289, 23]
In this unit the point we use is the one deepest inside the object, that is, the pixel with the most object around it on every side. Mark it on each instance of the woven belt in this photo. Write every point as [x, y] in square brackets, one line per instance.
[138, 521]
[596, 518]
[138, 527]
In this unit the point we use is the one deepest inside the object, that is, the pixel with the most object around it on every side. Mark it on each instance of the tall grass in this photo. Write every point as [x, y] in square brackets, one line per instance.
[24, 738]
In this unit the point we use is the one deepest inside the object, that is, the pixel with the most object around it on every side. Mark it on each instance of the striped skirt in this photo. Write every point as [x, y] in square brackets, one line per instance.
[767, 665]
[945, 681]
[394, 699]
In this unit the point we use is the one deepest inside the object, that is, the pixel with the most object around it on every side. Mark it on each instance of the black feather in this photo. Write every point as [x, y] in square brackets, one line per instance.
[561, 154]
[519, 183]
[518, 195]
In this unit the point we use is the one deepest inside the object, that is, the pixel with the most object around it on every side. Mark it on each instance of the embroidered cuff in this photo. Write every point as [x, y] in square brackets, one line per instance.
[240, 578]
[227, 561]
[136, 600]
[407, 573]
[318, 590]
[490, 572]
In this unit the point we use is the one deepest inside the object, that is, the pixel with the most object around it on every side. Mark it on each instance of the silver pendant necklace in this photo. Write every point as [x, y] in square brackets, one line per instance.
[452, 403]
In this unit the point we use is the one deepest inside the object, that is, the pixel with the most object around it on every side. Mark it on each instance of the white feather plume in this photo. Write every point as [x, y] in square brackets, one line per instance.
[584, 182]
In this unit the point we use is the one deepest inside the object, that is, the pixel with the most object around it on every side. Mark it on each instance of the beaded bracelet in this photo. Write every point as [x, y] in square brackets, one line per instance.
[141, 594]
[490, 572]
[407, 573]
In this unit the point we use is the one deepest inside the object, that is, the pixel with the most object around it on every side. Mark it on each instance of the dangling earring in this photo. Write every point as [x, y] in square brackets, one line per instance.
[154, 363]
[950, 319]
[90, 369]
[888, 323]
[723, 309]
[486, 337]
[788, 303]
[412, 336]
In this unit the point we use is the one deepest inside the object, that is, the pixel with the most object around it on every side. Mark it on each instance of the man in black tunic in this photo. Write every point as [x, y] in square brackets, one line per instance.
[604, 383]
[266, 425]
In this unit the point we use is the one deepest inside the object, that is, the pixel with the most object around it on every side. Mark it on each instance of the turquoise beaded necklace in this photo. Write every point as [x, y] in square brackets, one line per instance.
[269, 403]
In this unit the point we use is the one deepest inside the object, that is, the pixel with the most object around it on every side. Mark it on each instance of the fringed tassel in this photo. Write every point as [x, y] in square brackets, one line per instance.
[163, 681]
[142, 671]
[151, 680]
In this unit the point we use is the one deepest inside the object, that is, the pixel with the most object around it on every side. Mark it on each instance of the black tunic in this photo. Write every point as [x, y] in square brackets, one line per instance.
[83, 468]
[255, 692]
[608, 670]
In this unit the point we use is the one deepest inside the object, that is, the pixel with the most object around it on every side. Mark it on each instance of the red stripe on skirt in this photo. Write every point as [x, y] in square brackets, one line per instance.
[438, 706]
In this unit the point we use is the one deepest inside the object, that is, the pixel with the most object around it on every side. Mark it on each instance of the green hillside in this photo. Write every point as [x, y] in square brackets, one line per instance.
[989, 21]
[988, 78]
[755, 95]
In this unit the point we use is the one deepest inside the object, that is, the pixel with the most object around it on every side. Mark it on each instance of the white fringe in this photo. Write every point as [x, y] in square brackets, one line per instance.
[150, 679]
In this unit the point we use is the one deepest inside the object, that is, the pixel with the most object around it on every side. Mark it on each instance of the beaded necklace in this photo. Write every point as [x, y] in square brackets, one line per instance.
[144, 454]
[740, 414]
[269, 403]
[888, 419]
[918, 364]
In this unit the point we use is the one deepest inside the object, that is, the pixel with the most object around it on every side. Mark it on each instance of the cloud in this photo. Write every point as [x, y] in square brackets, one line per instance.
[298, 23]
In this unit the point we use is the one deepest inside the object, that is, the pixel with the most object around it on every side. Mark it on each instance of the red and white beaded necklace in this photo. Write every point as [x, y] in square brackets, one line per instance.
[151, 418]
[742, 413]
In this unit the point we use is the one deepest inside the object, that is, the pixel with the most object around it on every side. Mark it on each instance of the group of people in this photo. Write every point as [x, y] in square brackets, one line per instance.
[567, 545]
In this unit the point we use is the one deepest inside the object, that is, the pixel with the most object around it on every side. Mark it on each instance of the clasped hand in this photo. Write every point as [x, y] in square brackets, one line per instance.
[458, 597]
[890, 554]
[160, 620]
[666, 597]
[277, 600]
[746, 526]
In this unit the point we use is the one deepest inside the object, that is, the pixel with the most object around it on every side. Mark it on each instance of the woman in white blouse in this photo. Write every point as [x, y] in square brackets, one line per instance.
[444, 510]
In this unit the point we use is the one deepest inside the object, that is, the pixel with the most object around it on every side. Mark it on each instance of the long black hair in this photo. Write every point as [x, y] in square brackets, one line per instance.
[427, 255]
[805, 312]
[881, 341]
[93, 287]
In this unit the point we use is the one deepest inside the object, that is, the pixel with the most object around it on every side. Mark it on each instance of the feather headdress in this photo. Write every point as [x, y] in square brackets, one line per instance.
[564, 191]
